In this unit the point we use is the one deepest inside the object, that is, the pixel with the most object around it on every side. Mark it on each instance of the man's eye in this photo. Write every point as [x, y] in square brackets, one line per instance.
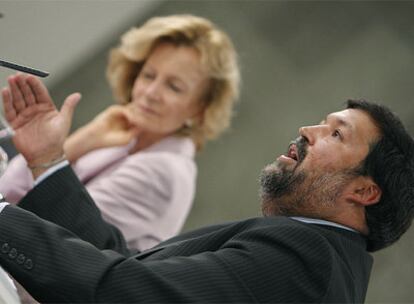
[337, 134]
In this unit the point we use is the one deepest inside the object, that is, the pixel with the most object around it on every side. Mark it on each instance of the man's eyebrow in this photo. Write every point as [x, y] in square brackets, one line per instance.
[338, 120]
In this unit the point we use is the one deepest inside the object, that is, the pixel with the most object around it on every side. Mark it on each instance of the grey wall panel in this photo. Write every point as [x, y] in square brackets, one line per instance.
[300, 60]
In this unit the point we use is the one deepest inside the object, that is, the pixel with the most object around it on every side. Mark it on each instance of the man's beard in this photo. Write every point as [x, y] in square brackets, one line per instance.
[293, 192]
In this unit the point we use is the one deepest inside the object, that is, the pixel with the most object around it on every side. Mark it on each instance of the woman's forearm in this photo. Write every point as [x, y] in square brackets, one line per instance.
[80, 143]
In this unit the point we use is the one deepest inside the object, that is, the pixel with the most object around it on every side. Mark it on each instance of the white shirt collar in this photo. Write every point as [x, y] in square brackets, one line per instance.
[321, 222]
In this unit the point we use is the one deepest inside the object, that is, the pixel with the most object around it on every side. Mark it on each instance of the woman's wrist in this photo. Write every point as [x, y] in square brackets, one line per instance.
[48, 164]
[39, 165]
[80, 142]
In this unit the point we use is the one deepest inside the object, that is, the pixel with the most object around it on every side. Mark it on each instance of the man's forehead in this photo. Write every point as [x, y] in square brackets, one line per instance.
[350, 116]
[344, 118]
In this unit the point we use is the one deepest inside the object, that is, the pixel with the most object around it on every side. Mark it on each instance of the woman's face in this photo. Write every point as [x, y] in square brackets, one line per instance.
[168, 89]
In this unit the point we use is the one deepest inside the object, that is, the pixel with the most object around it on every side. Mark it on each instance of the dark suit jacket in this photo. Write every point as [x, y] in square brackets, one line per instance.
[268, 260]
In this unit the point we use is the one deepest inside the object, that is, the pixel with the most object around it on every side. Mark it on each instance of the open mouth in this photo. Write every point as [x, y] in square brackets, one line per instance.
[296, 151]
[293, 152]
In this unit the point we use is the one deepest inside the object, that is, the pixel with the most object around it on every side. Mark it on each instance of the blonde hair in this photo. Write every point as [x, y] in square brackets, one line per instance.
[217, 55]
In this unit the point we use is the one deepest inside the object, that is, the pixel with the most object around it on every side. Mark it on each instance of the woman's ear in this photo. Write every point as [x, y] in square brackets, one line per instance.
[363, 191]
[198, 116]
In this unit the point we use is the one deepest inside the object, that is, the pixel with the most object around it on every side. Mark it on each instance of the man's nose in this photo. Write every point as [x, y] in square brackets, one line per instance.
[311, 133]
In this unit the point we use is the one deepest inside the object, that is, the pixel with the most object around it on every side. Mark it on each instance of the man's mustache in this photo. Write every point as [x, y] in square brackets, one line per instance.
[301, 147]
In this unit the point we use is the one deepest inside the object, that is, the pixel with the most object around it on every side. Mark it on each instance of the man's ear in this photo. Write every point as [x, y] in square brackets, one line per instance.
[363, 191]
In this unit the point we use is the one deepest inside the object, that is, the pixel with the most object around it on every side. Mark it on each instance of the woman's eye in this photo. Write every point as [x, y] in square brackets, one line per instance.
[147, 75]
[175, 88]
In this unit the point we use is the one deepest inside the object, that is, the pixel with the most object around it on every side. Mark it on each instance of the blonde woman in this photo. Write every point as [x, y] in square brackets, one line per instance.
[175, 80]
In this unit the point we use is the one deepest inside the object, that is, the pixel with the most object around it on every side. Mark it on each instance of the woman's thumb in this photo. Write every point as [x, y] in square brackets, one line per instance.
[69, 105]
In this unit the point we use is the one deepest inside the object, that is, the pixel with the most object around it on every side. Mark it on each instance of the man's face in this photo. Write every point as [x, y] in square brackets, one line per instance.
[311, 176]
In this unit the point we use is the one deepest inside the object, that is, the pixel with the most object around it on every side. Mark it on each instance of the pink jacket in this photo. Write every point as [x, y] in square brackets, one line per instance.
[147, 195]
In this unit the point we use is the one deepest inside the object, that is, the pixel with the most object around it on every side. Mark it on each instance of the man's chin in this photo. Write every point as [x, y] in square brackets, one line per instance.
[279, 167]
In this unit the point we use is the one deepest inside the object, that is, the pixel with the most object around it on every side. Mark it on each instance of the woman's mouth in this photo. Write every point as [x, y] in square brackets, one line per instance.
[147, 110]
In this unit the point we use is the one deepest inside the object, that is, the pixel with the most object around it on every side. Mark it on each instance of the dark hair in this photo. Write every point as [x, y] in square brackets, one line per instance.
[390, 162]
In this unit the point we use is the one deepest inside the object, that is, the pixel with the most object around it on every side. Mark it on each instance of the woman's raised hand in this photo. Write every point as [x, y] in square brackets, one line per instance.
[40, 129]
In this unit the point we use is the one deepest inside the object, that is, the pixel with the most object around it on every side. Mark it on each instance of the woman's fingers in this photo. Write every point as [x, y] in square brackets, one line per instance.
[22, 92]
[9, 110]
[16, 94]
[39, 90]
[133, 116]
[26, 91]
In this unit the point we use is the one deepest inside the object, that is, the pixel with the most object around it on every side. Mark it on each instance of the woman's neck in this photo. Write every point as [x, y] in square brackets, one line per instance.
[146, 139]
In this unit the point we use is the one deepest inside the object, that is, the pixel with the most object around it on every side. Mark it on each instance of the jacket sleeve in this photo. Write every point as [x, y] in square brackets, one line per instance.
[63, 200]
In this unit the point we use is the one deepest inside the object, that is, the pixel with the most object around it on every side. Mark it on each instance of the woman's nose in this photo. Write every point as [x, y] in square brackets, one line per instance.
[152, 91]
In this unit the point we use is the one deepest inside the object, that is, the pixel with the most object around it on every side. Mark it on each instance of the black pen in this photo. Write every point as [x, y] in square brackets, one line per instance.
[22, 68]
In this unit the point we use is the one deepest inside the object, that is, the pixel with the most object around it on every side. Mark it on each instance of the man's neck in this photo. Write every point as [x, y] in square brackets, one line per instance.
[353, 217]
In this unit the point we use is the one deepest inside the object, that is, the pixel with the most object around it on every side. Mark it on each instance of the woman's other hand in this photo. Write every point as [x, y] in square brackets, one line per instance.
[112, 127]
